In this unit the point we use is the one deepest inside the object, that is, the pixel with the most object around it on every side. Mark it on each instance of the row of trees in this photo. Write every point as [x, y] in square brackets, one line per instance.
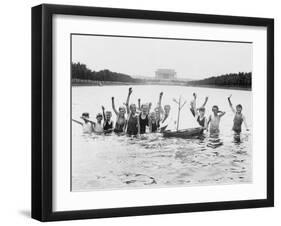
[80, 71]
[241, 79]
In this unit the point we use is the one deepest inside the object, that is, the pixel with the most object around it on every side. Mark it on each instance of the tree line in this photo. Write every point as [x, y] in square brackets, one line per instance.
[80, 71]
[241, 79]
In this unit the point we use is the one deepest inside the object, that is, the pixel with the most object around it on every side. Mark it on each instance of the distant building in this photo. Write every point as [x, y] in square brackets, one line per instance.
[167, 74]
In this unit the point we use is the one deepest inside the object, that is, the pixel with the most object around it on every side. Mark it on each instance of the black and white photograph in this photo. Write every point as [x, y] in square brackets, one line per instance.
[140, 112]
[153, 112]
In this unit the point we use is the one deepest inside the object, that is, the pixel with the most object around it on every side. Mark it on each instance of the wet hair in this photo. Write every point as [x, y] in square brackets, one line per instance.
[99, 115]
[108, 112]
[122, 108]
[152, 113]
[202, 109]
[85, 114]
[215, 106]
[132, 105]
[144, 105]
[239, 106]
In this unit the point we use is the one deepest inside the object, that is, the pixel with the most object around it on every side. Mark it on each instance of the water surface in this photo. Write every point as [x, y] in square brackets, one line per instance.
[115, 162]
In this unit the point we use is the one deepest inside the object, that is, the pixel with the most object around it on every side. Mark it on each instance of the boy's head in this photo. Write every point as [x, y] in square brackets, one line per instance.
[157, 112]
[153, 115]
[122, 111]
[108, 115]
[239, 108]
[99, 117]
[201, 111]
[215, 109]
[167, 109]
[144, 108]
[85, 115]
[133, 108]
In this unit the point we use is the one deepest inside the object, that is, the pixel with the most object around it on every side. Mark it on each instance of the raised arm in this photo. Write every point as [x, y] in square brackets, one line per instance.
[230, 104]
[128, 100]
[88, 120]
[160, 99]
[205, 102]
[77, 122]
[102, 107]
[149, 107]
[139, 104]
[159, 104]
[193, 106]
[113, 105]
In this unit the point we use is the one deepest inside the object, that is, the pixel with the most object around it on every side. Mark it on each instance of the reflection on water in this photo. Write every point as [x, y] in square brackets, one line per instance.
[113, 162]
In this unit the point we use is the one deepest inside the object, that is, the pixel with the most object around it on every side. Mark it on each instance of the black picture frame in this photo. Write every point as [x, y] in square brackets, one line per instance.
[42, 107]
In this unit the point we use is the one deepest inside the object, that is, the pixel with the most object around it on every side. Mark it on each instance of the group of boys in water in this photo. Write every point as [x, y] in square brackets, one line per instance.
[135, 120]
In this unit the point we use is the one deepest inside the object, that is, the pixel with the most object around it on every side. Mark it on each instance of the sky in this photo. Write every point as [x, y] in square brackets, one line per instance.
[143, 56]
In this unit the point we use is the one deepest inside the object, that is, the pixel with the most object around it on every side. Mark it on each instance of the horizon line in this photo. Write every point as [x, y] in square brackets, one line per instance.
[189, 78]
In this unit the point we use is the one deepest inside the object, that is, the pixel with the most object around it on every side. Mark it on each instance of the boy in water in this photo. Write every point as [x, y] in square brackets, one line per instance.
[239, 118]
[107, 123]
[98, 126]
[87, 125]
[201, 118]
[133, 125]
[199, 113]
[143, 118]
[121, 120]
[193, 104]
[167, 109]
[214, 121]
[153, 123]
[158, 111]
[139, 108]
[166, 118]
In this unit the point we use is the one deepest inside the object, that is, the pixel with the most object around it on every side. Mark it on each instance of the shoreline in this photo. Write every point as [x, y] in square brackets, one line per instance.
[222, 87]
[170, 83]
